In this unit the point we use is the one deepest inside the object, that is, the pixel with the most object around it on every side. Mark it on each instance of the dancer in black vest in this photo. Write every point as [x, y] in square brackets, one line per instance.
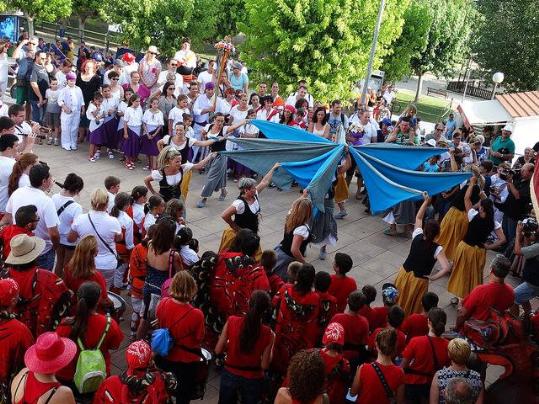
[170, 173]
[245, 209]
[413, 278]
[471, 252]
[297, 236]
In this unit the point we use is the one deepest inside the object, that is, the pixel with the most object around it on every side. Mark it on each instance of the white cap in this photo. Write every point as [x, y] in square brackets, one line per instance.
[508, 127]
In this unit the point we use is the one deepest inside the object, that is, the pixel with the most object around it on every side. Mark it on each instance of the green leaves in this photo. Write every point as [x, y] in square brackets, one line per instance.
[48, 10]
[324, 42]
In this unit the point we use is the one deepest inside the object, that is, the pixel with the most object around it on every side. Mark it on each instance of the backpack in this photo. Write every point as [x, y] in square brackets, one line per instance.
[91, 368]
[500, 329]
[162, 340]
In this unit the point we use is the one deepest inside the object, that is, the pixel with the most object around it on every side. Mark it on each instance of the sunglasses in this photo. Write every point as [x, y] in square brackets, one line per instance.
[172, 88]
[116, 79]
[174, 65]
[152, 53]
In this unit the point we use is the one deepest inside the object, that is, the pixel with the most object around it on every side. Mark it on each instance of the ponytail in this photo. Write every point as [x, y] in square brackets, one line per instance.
[259, 304]
[121, 201]
[88, 296]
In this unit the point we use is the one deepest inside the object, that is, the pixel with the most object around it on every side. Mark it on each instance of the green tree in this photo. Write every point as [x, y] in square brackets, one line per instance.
[48, 10]
[161, 22]
[85, 9]
[507, 40]
[230, 14]
[411, 43]
[325, 42]
[449, 23]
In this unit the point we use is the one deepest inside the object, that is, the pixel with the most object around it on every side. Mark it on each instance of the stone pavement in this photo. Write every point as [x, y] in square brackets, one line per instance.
[377, 257]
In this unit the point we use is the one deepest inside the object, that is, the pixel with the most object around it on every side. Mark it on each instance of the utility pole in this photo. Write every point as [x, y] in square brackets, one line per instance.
[373, 50]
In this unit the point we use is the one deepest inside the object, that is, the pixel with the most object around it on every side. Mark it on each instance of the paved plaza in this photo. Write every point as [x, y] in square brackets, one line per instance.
[377, 257]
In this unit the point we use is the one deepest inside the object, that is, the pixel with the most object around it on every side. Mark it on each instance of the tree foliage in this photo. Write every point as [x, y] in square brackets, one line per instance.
[230, 14]
[162, 23]
[507, 40]
[87, 8]
[325, 42]
[48, 10]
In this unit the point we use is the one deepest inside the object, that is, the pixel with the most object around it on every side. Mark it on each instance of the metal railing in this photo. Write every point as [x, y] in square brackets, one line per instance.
[105, 40]
[472, 90]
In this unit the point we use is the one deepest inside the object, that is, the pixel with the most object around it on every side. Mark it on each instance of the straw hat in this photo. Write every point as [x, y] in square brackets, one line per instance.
[24, 249]
[49, 354]
[153, 49]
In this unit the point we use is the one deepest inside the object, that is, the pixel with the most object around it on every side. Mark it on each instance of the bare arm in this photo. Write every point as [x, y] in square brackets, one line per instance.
[356, 384]
[201, 164]
[267, 355]
[434, 396]
[444, 263]
[54, 236]
[294, 249]
[72, 236]
[227, 217]
[148, 182]
[267, 178]
[517, 249]
[499, 242]
[421, 212]
[468, 195]
[220, 347]
[462, 316]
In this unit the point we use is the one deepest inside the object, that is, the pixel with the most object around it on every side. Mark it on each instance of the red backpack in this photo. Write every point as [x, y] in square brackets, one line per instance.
[500, 329]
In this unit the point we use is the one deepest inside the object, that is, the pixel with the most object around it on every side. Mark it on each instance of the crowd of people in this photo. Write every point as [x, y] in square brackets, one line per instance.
[276, 329]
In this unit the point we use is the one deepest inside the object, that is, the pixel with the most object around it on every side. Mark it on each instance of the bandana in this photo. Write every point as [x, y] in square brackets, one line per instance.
[334, 334]
[9, 290]
[138, 355]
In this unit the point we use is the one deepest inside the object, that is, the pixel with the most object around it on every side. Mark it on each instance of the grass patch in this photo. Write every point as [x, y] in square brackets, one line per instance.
[429, 109]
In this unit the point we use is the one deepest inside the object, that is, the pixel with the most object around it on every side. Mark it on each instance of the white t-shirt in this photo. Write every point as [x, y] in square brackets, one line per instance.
[133, 116]
[6, 167]
[176, 115]
[149, 220]
[204, 78]
[471, 214]
[171, 179]
[127, 224]
[94, 115]
[45, 210]
[61, 77]
[240, 206]
[67, 216]
[189, 256]
[23, 130]
[223, 106]
[110, 203]
[237, 115]
[302, 231]
[24, 181]
[419, 231]
[153, 119]
[138, 213]
[188, 57]
[107, 227]
[263, 115]
[4, 108]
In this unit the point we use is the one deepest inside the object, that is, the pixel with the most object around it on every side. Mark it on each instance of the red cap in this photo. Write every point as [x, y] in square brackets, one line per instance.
[128, 57]
[290, 108]
[138, 355]
[334, 334]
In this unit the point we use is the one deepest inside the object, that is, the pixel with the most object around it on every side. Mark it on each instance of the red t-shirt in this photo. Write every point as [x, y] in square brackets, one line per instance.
[341, 287]
[138, 270]
[368, 313]
[415, 325]
[328, 308]
[401, 341]
[337, 369]
[186, 325]
[74, 284]
[253, 359]
[7, 233]
[499, 296]
[356, 332]
[372, 389]
[419, 353]
[94, 330]
[379, 316]
[112, 390]
[15, 339]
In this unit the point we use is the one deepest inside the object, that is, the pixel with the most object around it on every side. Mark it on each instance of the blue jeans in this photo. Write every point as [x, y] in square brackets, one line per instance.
[46, 261]
[509, 227]
[37, 112]
[249, 389]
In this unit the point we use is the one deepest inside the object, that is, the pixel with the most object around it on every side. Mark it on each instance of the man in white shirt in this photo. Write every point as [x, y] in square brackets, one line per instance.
[207, 76]
[301, 93]
[224, 105]
[389, 95]
[370, 127]
[186, 57]
[171, 74]
[201, 110]
[8, 151]
[23, 130]
[47, 226]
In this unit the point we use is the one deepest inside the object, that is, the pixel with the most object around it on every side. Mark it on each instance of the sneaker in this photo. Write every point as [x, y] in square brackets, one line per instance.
[223, 195]
[146, 168]
[341, 215]
[56, 142]
[201, 203]
[111, 155]
[97, 155]
[454, 301]
[49, 142]
[92, 159]
[323, 254]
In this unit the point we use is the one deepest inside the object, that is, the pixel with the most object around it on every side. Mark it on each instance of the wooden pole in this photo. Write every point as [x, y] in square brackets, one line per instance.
[222, 66]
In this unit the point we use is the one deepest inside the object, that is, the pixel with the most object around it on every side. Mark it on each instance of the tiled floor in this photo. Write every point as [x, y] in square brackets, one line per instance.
[376, 257]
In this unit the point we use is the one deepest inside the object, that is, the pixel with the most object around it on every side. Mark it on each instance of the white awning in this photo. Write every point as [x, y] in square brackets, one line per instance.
[483, 112]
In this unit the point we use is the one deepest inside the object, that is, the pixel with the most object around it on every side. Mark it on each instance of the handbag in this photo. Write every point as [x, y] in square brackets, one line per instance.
[119, 261]
[389, 393]
[162, 340]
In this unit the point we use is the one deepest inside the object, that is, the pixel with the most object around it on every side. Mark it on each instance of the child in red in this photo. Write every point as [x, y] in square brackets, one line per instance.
[328, 302]
[342, 285]
[337, 367]
[356, 329]
[380, 314]
[369, 296]
[25, 223]
[395, 318]
[417, 324]
[268, 260]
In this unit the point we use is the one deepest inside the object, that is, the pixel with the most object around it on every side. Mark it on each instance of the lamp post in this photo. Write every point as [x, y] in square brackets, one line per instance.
[497, 78]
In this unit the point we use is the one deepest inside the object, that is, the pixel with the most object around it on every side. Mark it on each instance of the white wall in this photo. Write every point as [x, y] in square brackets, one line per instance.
[526, 133]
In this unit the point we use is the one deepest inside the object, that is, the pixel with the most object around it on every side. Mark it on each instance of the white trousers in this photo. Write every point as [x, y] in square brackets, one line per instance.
[70, 129]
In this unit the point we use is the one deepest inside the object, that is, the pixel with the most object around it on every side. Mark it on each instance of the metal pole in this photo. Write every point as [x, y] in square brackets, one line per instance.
[494, 91]
[373, 50]
[466, 78]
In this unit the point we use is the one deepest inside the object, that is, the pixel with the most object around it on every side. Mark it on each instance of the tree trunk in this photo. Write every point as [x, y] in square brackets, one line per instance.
[30, 26]
[419, 86]
[82, 22]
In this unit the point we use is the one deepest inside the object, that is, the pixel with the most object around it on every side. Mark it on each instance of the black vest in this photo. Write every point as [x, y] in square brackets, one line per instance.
[183, 152]
[286, 244]
[458, 200]
[219, 145]
[167, 191]
[478, 231]
[421, 257]
[248, 219]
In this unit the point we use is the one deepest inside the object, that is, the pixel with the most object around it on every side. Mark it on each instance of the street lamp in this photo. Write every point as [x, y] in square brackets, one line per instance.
[497, 78]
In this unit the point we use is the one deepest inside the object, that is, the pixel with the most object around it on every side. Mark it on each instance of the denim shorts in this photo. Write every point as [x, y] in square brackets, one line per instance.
[525, 292]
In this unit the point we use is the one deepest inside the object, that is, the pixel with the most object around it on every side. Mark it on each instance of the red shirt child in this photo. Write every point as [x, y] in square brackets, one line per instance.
[417, 324]
[395, 318]
[337, 367]
[25, 223]
[268, 259]
[342, 285]
[328, 302]
[419, 356]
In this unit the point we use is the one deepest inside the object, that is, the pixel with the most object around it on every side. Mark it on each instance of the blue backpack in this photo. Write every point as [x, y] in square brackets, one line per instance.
[162, 340]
